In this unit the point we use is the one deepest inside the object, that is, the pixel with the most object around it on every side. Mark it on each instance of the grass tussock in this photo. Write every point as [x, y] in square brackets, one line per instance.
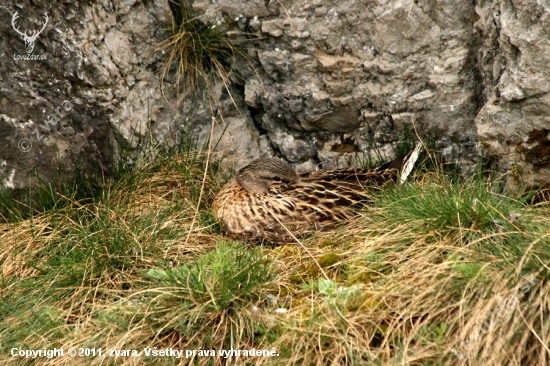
[439, 271]
[200, 49]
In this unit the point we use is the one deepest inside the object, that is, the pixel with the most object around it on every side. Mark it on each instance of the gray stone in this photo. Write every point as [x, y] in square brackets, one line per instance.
[234, 138]
[325, 82]
[94, 53]
[266, 150]
[251, 91]
[514, 122]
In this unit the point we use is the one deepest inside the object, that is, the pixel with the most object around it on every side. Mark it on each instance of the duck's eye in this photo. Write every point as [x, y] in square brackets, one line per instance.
[277, 178]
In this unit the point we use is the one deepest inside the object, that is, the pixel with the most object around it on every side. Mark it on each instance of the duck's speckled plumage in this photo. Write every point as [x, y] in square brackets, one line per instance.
[265, 188]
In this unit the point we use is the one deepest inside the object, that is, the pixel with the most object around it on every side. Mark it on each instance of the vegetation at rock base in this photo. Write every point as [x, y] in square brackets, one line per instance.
[200, 49]
[439, 271]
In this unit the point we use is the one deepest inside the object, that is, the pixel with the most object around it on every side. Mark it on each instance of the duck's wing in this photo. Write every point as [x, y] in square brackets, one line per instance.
[319, 200]
[395, 171]
[328, 195]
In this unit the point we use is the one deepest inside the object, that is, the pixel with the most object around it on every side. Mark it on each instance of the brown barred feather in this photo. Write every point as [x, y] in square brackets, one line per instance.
[268, 191]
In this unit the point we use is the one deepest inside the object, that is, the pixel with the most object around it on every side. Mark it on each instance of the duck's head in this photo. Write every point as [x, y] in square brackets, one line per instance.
[261, 174]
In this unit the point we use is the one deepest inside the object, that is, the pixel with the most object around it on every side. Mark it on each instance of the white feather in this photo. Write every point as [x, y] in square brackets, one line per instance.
[409, 162]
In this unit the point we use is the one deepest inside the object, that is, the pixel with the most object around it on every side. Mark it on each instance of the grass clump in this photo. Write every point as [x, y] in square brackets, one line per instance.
[210, 298]
[448, 206]
[220, 279]
[201, 49]
[437, 271]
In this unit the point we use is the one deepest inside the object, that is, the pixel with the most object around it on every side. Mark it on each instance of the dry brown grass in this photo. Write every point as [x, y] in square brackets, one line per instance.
[412, 292]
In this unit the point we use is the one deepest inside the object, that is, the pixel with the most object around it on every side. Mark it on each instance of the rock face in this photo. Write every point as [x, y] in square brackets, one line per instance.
[328, 82]
[332, 78]
[85, 91]
[336, 81]
[514, 123]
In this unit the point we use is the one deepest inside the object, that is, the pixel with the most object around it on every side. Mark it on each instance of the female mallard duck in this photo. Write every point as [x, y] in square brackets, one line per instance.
[267, 193]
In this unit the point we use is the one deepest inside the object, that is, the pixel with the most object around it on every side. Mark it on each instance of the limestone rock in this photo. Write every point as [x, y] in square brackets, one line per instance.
[87, 89]
[324, 83]
[324, 64]
[234, 138]
[514, 122]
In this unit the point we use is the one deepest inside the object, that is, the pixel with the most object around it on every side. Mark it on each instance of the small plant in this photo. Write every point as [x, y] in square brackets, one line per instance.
[433, 333]
[203, 51]
[208, 299]
[220, 280]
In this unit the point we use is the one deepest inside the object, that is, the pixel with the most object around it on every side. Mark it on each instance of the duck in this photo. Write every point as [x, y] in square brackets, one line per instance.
[266, 200]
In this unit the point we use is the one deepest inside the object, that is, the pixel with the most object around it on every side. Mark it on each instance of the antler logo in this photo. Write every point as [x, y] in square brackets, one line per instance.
[29, 39]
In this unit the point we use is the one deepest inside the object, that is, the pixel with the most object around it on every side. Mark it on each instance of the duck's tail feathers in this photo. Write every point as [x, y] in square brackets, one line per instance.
[408, 163]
